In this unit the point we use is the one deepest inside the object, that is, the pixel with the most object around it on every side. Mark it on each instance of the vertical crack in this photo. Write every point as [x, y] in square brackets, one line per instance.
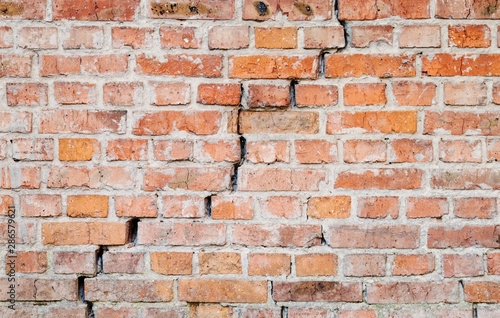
[243, 151]
[81, 297]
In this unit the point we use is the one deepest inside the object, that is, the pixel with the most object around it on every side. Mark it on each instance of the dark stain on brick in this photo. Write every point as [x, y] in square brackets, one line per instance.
[490, 9]
[10, 9]
[171, 8]
[261, 8]
[304, 8]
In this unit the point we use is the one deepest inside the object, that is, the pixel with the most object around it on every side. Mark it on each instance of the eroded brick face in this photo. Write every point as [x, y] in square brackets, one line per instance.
[250, 158]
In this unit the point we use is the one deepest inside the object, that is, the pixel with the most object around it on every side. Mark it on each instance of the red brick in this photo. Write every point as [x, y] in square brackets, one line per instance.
[312, 10]
[162, 312]
[375, 9]
[84, 233]
[179, 37]
[95, 10]
[183, 206]
[224, 291]
[462, 123]
[408, 150]
[203, 65]
[85, 206]
[363, 236]
[460, 150]
[67, 93]
[471, 35]
[442, 64]
[122, 312]
[42, 289]
[20, 177]
[494, 263]
[83, 37]
[366, 36]
[317, 291]
[493, 149]
[364, 94]
[488, 312]
[378, 207]
[74, 262]
[203, 9]
[277, 235]
[3, 149]
[82, 121]
[414, 93]
[331, 207]
[465, 236]
[379, 65]
[25, 233]
[372, 122]
[122, 94]
[167, 122]
[260, 313]
[6, 37]
[276, 38]
[124, 263]
[67, 313]
[282, 122]
[93, 64]
[417, 264]
[365, 151]
[219, 263]
[281, 207]
[16, 122]
[173, 150]
[136, 38]
[35, 205]
[420, 36]
[426, 207]
[268, 151]
[470, 208]
[90, 177]
[195, 179]
[23, 9]
[15, 65]
[82, 149]
[38, 38]
[308, 313]
[254, 11]
[413, 292]
[358, 313]
[205, 311]
[316, 95]
[128, 290]
[316, 265]
[127, 149]
[315, 151]
[459, 9]
[496, 93]
[228, 37]
[273, 67]
[33, 149]
[179, 234]
[218, 151]
[232, 208]
[268, 95]
[174, 263]
[280, 179]
[362, 265]
[6, 201]
[384, 178]
[219, 94]
[28, 262]
[462, 265]
[269, 264]
[26, 94]
[324, 37]
[482, 292]
[467, 179]
[465, 93]
[135, 206]
[172, 93]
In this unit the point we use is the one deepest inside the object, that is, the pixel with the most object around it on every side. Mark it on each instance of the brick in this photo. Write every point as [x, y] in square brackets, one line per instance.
[363, 236]
[179, 37]
[362, 265]
[384, 178]
[316, 95]
[465, 236]
[74, 93]
[232, 208]
[219, 94]
[127, 149]
[6, 201]
[125, 263]
[414, 93]
[364, 94]
[315, 151]
[378, 65]
[408, 150]
[372, 122]
[280, 179]
[260, 12]
[332, 207]
[482, 292]
[206, 311]
[41, 205]
[420, 36]
[203, 65]
[371, 35]
[290, 122]
[313, 10]
[82, 149]
[218, 151]
[128, 290]
[487, 312]
[426, 207]
[219, 263]
[268, 95]
[22, 9]
[167, 122]
[471, 35]
[365, 151]
[38, 38]
[41, 289]
[268, 151]
[317, 291]
[20, 177]
[269, 264]
[136, 38]
[178, 234]
[442, 64]
[124, 312]
[203, 10]
[84, 233]
[59, 65]
[462, 123]
[496, 93]
[375, 9]
[16, 122]
[276, 38]
[122, 94]
[308, 313]
[161, 312]
[172, 150]
[27, 94]
[172, 93]
[51, 65]
[95, 10]
[261, 313]
[459, 9]
[3, 149]
[324, 37]
[25, 233]
[277, 235]
[466, 265]
[28, 262]
[493, 263]
[493, 150]
[33, 149]
[465, 93]
[416, 264]
[84, 206]
[82, 121]
[369, 313]
[15, 65]
[378, 207]
[273, 67]
[66, 313]
[6, 37]
[90, 177]
[470, 208]
[414, 292]
[228, 37]
[466, 179]
[183, 206]
[281, 207]
[83, 37]
[316, 265]
[135, 206]
[195, 179]
[172, 263]
[225, 291]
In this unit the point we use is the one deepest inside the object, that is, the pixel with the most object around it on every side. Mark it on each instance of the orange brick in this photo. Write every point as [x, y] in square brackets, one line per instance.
[373, 236]
[203, 10]
[379, 65]
[365, 151]
[316, 265]
[364, 94]
[232, 208]
[268, 95]
[165, 122]
[172, 263]
[82, 206]
[219, 94]
[6, 201]
[494, 263]
[226, 291]
[173, 93]
[364, 265]
[135, 206]
[127, 149]
[408, 150]
[338, 207]
[204, 65]
[408, 265]
[218, 151]
[471, 35]
[15, 65]
[482, 292]
[384, 178]
[273, 67]
[206, 311]
[426, 207]
[447, 121]
[219, 263]
[315, 151]
[179, 37]
[269, 264]
[373, 9]
[378, 207]
[136, 38]
[316, 95]
[465, 236]
[95, 10]
[276, 38]
[324, 37]
[372, 122]
[84, 233]
[281, 206]
[82, 149]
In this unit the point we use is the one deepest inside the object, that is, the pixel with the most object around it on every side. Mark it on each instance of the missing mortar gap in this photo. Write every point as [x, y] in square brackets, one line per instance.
[133, 227]
[284, 312]
[81, 297]
[99, 262]
[243, 151]
[293, 102]
[208, 205]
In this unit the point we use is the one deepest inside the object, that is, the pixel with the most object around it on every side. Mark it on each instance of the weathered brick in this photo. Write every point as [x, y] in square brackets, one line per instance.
[82, 121]
[317, 291]
[33, 149]
[416, 264]
[365, 151]
[470, 208]
[225, 291]
[379, 65]
[471, 35]
[172, 263]
[413, 292]
[232, 208]
[462, 123]
[426, 207]
[316, 265]
[376, 9]
[219, 263]
[290, 122]
[179, 37]
[268, 95]
[136, 206]
[187, 9]
[136, 38]
[23, 9]
[28, 262]
[372, 122]
[378, 207]
[20, 177]
[196, 179]
[181, 64]
[279, 179]
[276, 38]
[27, 94]
[83, 37]
[18, 121]
[281, 206]
[128, 290]
[195, 234]
[364, 94]
[366, 36]
[465, 236]
[84, 233]
[38, 38]
[363, 236]
[408, 150]
[183, 206]
[67, 93]
[167, 122]
[90, 177]
[414, 93]
[420, 36]
[323, 37]
[465, 93]
[122, 94]
[333, 207]
[269, 264]
[228, 37]
[219, 94]
[482, 292]
[15, 65]
[277, 235]
[466, 179]
[122, 262]
[171, 93]
[41, 205]
[6, 201]
[384, 178]
[494, 263]
[362, 265]
[466, 265]
[273, 67]
[493, 150]
[6, 37]
[315, 151]
[95, 10]
[42, 289]
[316, 95]
[74, 262]
[127, 149]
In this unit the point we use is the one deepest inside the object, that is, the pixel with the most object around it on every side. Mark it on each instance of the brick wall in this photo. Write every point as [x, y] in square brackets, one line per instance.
[239, 158]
